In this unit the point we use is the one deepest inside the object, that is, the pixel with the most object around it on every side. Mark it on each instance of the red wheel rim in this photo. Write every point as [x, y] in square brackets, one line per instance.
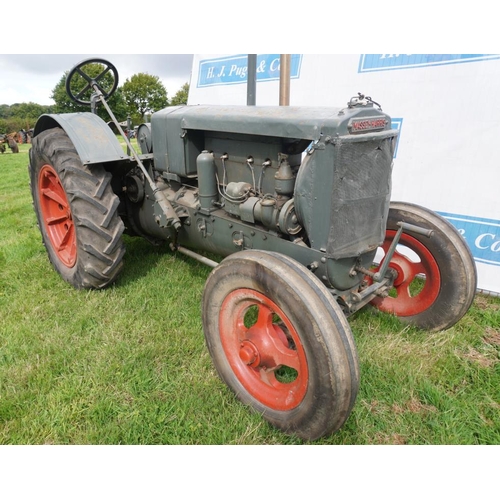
[410, 299]
[266, 356]
[56, 215]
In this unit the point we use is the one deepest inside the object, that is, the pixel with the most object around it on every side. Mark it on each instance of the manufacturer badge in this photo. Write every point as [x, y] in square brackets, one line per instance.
[358, 125]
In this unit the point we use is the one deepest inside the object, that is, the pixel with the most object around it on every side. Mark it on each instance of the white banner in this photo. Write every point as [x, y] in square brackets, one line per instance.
[445, 106]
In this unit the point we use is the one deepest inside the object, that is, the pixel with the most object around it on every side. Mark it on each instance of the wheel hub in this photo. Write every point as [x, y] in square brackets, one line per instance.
[400, 269]
[410, 300]
[249, 354]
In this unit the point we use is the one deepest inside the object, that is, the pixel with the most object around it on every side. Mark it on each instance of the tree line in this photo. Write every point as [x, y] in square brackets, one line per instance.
[21, 116]
[140, 95]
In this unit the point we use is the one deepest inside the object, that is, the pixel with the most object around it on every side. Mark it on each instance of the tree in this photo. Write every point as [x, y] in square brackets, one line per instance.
[64, 104]
[4, 111]
[4, 126]
[29, 112]
[181, 97]
[16, 117]
[143, 94]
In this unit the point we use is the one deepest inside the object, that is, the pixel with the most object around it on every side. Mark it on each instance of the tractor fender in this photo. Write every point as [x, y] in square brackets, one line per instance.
[93, 139]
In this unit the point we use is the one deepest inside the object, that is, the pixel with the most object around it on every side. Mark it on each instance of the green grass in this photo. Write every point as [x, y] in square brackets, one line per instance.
[129, 365]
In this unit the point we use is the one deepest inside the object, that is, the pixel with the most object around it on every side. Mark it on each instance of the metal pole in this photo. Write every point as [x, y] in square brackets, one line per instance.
[129, 124]
[251, 79]
[197, 256]
[285, 79]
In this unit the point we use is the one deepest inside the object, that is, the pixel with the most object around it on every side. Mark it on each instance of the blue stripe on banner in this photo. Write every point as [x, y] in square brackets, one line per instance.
[232, 70]
[396, 124]
[482, 236]
[386, 62]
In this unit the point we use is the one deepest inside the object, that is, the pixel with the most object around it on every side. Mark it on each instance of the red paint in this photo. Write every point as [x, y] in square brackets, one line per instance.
[405, 304]
[56, 215]
[255, 353]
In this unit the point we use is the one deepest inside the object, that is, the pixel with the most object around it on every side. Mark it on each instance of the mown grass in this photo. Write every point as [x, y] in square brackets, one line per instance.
[128, 364]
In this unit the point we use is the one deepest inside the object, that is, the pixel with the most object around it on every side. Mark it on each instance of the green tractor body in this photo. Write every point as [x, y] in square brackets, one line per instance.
[290, 180]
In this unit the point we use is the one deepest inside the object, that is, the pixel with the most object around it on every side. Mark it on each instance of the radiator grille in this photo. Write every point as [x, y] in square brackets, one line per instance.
[361, 195]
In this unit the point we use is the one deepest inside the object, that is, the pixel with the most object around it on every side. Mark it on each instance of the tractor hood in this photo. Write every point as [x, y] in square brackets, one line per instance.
[276, 121]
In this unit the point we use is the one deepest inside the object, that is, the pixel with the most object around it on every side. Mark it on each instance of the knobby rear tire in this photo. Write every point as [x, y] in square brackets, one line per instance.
[77, 212]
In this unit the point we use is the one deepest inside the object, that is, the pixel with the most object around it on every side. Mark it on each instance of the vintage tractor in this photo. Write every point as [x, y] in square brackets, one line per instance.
[297, 201]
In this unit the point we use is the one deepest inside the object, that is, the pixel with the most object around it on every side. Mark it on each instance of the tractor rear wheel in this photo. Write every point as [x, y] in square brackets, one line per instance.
[436, 277]
[77, 212]
[281, 342]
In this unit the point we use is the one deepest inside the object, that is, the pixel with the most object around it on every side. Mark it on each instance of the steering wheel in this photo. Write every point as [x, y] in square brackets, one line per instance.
[105, 85]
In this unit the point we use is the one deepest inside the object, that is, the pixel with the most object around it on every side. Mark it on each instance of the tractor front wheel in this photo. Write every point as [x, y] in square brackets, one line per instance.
[281, 342]
[435, 277]
[77, 212]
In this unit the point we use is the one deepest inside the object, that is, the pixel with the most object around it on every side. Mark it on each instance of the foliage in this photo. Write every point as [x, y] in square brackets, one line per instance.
[20, 116]
[4, 110]
[64, 104]
[143, 94]
[140, 95]
[181, 97]
[128, 364]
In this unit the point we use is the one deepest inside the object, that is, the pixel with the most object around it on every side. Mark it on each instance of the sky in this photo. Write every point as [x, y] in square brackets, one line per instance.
[32, 77]
[61, 43]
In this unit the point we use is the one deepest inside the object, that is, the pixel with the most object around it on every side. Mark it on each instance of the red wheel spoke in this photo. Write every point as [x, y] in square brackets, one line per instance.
[258, 353]
[418, 268]
[403, 290]
[264, 318]
[268, 377]
[264, 334]
[67, 238]
[52, 195]
[51, 221]
[414, 268]
[282, 355]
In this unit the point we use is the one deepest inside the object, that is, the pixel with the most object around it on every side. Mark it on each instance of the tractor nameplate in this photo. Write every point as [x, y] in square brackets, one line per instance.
[359, 125]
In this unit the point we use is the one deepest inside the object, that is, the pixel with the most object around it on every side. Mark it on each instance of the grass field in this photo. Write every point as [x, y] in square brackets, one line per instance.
[128, 364]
